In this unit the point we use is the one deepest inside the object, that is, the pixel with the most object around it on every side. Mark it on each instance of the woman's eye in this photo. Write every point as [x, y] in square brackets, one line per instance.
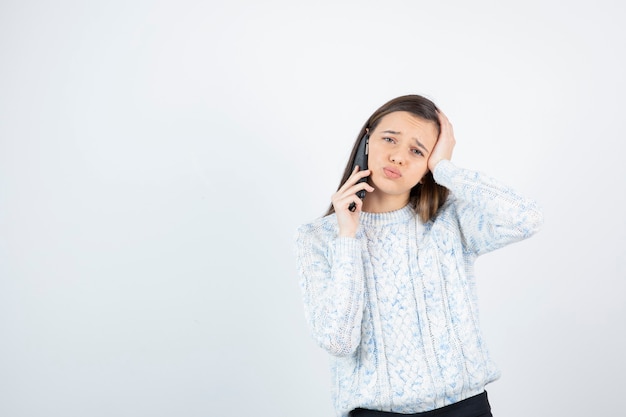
[417, 152]
[386, 139]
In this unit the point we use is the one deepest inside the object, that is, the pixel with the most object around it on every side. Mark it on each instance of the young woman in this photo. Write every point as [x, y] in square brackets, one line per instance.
[388, 284]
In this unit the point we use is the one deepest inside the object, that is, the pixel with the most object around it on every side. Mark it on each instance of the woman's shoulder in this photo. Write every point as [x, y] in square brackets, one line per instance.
[322, 227]
[448, 207]
[447, 215]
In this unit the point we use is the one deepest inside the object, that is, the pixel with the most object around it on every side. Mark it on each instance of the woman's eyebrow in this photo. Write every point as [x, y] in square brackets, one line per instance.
[420, 144]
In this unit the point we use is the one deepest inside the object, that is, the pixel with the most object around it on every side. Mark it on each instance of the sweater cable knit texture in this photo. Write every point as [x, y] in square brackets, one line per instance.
[396, 306]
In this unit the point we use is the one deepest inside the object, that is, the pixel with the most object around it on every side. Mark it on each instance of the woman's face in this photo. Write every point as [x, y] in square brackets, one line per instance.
[399, 149]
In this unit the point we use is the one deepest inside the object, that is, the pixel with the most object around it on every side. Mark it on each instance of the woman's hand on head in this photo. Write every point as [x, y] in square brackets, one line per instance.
[349, 220]
[445, 143]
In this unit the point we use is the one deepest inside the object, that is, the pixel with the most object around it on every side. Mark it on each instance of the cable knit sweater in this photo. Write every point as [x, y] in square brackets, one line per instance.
[396, 306]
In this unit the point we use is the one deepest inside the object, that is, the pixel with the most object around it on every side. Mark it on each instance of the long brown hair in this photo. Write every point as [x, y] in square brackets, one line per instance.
[427, 196]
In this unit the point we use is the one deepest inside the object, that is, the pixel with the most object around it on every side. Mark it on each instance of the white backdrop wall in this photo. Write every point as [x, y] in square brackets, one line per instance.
[157, 156]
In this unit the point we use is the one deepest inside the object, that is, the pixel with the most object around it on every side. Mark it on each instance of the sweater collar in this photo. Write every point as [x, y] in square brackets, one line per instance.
[390, 217]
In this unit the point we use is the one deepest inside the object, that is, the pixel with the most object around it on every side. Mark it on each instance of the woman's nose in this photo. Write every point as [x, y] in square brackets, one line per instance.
[396, 159]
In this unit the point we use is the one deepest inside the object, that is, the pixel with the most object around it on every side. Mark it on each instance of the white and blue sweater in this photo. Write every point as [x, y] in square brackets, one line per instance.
[396, 306]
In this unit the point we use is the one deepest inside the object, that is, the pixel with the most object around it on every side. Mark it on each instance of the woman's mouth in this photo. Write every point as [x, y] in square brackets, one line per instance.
[392, 173]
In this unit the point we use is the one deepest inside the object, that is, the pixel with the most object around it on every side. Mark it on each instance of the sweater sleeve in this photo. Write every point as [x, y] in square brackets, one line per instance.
[489, 214]
[331, 278]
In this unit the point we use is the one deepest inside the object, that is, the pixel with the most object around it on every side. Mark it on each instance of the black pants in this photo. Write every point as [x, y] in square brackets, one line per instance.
[476, 406]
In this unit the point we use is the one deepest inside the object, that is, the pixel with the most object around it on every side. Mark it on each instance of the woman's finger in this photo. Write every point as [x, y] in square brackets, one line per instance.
[349, 191]
[354, 178]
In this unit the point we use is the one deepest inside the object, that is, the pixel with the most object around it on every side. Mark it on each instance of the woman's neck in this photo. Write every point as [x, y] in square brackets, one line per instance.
[374, 203]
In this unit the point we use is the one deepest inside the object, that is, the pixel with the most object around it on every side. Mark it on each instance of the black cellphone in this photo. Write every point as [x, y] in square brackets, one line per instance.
[360, 159]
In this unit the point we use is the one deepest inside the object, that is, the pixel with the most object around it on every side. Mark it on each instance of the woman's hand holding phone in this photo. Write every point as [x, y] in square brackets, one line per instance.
[349, 220]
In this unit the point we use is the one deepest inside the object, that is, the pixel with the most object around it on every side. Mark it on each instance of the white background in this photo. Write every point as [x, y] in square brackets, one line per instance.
[156, 158]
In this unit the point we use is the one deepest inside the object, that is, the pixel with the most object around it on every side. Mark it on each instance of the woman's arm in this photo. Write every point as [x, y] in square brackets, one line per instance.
[488, 213]
[331, 278]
